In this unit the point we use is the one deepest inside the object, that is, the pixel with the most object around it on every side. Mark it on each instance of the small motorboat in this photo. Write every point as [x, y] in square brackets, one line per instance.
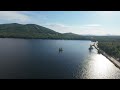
[60, 49]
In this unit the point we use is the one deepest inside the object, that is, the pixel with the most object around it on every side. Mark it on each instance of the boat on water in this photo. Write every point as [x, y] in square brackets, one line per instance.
[60, 49]
[90, 48]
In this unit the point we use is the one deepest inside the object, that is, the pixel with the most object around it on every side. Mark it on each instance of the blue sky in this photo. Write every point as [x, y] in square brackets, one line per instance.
[79, 22]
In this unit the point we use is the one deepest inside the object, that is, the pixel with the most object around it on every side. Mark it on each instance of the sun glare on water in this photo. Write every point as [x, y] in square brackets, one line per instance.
[101, 67]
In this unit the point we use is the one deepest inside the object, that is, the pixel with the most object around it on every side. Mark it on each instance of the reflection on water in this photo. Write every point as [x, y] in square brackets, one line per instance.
[98, 67]
[41, 59]
[100, 64]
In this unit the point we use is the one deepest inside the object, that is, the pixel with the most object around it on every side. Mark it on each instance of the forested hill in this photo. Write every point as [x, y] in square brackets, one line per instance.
[24, 31]
[15, 30]
[25, 28]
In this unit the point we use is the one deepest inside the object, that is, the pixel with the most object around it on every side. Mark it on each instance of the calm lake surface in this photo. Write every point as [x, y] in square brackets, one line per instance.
[40, 59]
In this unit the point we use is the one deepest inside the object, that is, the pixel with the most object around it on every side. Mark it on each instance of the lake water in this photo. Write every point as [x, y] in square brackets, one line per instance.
[41, 59]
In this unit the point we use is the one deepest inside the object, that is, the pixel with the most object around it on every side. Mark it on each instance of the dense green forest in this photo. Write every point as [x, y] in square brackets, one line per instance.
[109, 44]
[111, 48]
[15, 30]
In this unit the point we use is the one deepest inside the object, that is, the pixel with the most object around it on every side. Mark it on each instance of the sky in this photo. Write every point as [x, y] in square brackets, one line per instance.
[78, 22]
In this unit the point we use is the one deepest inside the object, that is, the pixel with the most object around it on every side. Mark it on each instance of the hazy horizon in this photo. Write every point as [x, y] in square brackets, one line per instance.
[78, 22]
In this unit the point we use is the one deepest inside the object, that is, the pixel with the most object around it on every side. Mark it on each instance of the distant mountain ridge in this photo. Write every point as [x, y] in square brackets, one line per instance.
[33, 31]
[33, 28]
[15, 30]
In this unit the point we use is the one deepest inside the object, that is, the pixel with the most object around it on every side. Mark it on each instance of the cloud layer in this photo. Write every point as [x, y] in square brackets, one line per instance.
[13, 16]
[92, 29]
[37, 18]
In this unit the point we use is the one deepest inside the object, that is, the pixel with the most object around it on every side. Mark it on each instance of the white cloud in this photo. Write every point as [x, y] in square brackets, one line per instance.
[93, 25]
[13, 16]
[26, 17]
[58, 27]
[107, 14]
[93, 29]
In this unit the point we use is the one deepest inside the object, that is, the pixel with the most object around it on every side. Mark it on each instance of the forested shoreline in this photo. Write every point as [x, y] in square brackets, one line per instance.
[111, 48]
